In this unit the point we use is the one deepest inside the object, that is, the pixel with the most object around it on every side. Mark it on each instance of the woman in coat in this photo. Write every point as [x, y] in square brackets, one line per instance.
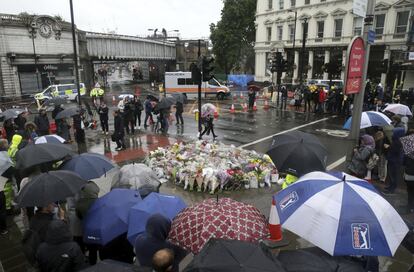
[358, 165]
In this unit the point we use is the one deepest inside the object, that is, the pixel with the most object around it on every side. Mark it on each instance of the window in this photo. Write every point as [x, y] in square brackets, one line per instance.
[338, 28]
[279, 33]
[402, 21]
[357, 26]
[307, 2]
[189, 81]
[269, 34]
[305, 30]
[321, 26]
[281, 4]
[181, 81]
[269, 4]
[379, 24]
[292, 3]
[291, 32]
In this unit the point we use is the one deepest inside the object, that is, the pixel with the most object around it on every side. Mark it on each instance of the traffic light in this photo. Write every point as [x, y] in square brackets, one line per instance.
[332, 67]
[279, 65]
[195, 73]
[207, 68]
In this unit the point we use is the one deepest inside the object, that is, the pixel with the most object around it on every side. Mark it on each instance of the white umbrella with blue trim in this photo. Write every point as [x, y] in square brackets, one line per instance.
[370, 119]
[51, 139]
[341, 214]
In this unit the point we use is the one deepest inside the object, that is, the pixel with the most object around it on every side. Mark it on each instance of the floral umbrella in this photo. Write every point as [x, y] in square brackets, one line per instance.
[223, 218]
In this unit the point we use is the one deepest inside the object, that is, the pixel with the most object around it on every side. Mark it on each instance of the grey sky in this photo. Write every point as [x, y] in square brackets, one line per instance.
[129, 17]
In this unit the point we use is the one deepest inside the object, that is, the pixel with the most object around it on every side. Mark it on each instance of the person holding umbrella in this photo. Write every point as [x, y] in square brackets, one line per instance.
[20, 121]
[358, 164]
[179, 109]
[103, 117]
[138, 109]
[119, 133]
[42, 123]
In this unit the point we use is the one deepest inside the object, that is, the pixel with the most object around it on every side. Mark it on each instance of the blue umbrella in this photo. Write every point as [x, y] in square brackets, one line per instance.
[89, 165]
[340, 214]
[166, 205]
[370, 119]
[107, 218]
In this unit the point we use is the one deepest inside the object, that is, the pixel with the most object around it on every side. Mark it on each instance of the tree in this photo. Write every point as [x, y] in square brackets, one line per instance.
[234, 35]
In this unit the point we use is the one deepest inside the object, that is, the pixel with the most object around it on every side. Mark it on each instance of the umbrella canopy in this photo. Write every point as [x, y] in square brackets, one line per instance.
[105, 181]
[129, 96]
[107, 218]
[49, 187]
[224, 218]
[230, 255]
[166, 103]
[166, 205]
[137, 175]
[370, 119]
[152, 98]
[51, 139]
[32, 154]
[349, 213]
[399, 109]
[66, 113]
[179, 97]
[89, 165]
[297, 150]
[408, 145]
[5, 162]
[207, 109]
[11, 113]
[314, 259]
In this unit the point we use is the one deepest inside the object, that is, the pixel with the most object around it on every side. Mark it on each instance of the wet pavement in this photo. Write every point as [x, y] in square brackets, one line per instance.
[251, 130]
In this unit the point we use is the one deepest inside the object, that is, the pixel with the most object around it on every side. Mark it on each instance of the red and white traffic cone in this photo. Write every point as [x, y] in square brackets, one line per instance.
[245, 107]
[255, 106]
[266, 104]
[232, 110]
[275, 229]
[241, 95]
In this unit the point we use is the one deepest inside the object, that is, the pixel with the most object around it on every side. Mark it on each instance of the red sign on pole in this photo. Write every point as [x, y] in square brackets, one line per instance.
[355, 67]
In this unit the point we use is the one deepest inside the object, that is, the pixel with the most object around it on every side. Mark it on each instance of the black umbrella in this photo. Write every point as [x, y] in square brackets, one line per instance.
[10, 114]
[66, 113]
[50, 187]
[316, 260]
[179, 97]
[152, 98]
[166, 103]
[32, 154]
[297, 150]
[233, 255]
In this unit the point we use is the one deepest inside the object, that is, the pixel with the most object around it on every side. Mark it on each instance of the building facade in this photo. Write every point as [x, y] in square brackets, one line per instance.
[328, 26]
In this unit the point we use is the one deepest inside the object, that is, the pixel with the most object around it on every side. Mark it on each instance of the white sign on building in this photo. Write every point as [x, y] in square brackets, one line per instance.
[411, 56]
[359, 7]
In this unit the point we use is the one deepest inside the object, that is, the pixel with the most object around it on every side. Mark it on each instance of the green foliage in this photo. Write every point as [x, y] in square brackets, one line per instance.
[233, 36]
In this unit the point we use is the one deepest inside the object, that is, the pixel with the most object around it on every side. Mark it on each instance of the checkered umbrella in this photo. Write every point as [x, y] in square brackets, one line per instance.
[224, 218]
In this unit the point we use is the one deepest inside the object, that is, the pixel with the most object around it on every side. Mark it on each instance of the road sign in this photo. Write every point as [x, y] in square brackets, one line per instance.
[359, 7]
[355, 66]
[371, 36]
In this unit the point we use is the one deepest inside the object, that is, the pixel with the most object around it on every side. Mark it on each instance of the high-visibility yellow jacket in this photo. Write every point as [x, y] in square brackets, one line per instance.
[290, 179]
[14, 147]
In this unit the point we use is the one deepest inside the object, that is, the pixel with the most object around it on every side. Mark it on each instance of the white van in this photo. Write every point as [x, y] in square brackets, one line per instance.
[181, 82]
[335, 82]
[68, 91]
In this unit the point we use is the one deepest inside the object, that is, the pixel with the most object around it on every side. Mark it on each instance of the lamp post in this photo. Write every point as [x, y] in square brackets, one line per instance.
[302, 57]
[75, 53]
[32, 32]
[186, 44]
[294, 37]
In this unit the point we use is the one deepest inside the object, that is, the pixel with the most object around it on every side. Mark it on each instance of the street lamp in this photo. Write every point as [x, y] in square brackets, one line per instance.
[186, 44]
[32, 32]
[302, 57]
[294, 36]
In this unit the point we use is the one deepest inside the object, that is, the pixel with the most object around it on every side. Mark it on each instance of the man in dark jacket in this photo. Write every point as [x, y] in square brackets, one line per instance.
[58, 108]
[179, 109]
[119, 131]
[148, 112]
[154, 239]
[128, 116]
[39, 223]
[395, 156]
[20, 121]
[42, 123]
[284, 92]
[59, 253]
[103, 117]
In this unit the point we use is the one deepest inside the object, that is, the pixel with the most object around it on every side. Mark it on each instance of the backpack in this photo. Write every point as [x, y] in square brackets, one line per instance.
[30, 244]
[372, 161]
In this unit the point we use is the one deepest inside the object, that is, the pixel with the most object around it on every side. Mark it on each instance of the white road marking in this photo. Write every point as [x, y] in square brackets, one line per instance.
[285, 131]
[336, 163]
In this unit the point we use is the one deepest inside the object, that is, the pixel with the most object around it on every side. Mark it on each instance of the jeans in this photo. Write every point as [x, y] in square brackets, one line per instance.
[104, 125]
[137, 117]
[179, 118]
[307, 105]
[283, 102]
[120, 141]
[394, 176]
[148, 115]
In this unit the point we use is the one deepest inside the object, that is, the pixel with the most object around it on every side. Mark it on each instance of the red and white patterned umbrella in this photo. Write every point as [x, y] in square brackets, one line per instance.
[226, 218]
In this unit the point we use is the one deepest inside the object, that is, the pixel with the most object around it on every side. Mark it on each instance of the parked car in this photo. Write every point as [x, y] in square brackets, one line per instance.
[68, 91]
